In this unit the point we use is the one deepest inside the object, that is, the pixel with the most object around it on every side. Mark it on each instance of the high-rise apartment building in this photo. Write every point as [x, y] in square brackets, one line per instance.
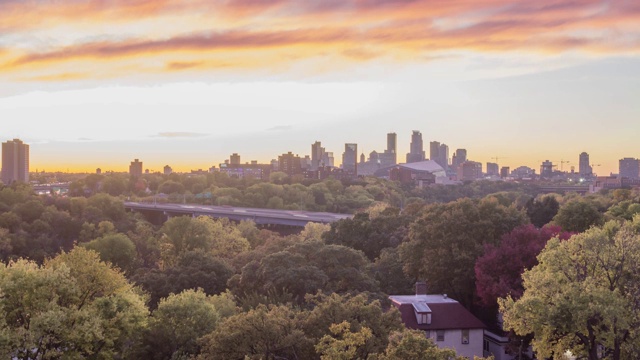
[167, 170]
[317, 155]
[350, 159]
[416, 151]
[290, 164]
[234, 159]
[629, 168]
[135, 168]
[15, 161]
[583, 165]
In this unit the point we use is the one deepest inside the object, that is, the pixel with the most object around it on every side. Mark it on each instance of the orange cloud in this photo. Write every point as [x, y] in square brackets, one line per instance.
[87, 33]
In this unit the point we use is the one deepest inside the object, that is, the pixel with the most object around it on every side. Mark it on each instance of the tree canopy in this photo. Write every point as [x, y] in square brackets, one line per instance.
[583, 295]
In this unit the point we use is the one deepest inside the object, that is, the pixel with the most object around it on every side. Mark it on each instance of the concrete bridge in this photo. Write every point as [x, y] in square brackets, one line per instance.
[259, 216]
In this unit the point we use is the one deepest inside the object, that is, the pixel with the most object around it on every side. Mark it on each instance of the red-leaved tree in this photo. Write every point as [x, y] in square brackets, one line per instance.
[499, 270]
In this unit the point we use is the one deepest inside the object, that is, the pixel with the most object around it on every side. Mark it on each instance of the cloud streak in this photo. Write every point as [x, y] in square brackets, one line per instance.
[282, 33]
[179, 134]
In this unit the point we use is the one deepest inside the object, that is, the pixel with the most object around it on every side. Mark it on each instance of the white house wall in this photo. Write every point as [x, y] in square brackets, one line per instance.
[453, 340]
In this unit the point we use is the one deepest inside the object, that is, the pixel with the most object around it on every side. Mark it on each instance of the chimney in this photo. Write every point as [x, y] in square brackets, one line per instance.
[421, 288]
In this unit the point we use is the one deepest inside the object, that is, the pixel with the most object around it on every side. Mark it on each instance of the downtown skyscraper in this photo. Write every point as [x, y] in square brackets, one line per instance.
[416, 150]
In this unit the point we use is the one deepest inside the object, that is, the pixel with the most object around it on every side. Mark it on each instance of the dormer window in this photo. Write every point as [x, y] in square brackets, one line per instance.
[423, 318]
[423, 313]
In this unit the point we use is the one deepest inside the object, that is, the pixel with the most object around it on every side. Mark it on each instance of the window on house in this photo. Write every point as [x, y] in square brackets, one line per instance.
[485, 345]
[439, 335]
[427, 333]
[465, 336]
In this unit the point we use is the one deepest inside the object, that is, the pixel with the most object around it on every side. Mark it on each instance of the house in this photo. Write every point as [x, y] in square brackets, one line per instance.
[443, 319]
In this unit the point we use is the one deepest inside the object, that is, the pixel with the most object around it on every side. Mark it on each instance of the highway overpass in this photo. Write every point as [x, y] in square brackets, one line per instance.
[259, 216]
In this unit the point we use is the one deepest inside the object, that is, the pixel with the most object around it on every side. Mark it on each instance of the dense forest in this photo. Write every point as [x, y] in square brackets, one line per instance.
[83, 278]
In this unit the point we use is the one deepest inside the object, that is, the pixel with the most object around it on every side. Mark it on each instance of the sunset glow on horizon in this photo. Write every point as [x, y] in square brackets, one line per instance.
[186, 83]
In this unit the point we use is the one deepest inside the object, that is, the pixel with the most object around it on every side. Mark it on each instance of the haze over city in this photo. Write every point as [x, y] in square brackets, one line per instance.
[91, 84]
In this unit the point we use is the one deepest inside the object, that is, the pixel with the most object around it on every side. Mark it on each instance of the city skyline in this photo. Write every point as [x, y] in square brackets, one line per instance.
[97, 84]
[235, 158]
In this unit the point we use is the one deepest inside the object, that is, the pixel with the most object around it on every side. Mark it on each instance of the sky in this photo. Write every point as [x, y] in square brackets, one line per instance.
[95, 83]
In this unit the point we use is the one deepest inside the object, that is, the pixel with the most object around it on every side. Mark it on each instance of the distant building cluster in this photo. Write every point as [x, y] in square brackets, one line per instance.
[439, 168]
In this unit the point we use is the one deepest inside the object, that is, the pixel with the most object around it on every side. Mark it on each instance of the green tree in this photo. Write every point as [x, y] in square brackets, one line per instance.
[75, 306]
[227, 240]
[446, 240]
[177, 325]
[388, 228]
[193, 270]
[358, 311]
[114, 185]
[267, 333]
[342, 344]
[413, 345]
[583, 296]
[182, 234]
[578, 215]
[171, 187]
[387, 270]
[541, 211]
[116, 249]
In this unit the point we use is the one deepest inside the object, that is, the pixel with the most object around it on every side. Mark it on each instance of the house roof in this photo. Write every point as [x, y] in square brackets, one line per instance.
[446, 313]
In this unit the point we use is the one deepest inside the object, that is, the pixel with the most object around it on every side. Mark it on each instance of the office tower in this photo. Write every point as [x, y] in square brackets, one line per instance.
[389, 157]
[460, 157]
[167, 170]
[629, 168]
[583, 166]
[434, 150]
[327, 159]
[135, 169]
[443, 156]
[416, 152]
[317, 155]
[15, 161]
[469, 171]
[440, 154]
[234, 159]
[392, 143]
[504, 172]
[392, 147]
[493, 169]
[350, 158]
[362, 158]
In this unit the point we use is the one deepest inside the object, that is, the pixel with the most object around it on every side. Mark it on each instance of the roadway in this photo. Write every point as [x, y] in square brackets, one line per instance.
[259, 216]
